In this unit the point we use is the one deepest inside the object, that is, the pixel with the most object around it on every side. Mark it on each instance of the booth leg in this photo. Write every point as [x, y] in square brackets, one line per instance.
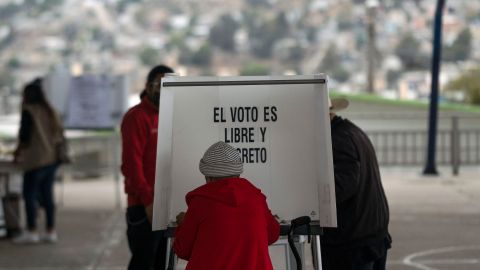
[116, 166]
[316, 253]
[288, 256]
[171, 260]
[169, 249]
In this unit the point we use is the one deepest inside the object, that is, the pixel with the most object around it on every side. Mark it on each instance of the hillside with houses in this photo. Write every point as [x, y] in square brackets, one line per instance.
[239, 37]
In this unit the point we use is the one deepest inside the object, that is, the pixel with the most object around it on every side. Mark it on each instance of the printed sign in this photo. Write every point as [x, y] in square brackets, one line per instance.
[88, 101]
[279, 125]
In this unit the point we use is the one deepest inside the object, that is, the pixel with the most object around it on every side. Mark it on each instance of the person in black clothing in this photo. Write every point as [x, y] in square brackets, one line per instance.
[361, 240]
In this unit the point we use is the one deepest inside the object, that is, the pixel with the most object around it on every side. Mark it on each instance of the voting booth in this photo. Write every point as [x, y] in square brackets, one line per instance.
[279, 124]
[90, 101]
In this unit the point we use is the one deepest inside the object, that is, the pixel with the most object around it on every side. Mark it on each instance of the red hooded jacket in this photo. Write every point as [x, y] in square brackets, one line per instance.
[227, 226]
[139, 152]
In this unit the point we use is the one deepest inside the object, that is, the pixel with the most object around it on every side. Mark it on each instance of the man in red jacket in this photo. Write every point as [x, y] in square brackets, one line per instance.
[228, 224]
[139, 144]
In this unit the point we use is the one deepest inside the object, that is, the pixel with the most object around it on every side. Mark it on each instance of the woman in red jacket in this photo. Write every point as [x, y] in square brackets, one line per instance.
[228, 224]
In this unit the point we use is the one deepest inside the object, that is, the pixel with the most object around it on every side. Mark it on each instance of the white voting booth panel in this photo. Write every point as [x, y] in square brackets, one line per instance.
[280, 125]
[88, 101]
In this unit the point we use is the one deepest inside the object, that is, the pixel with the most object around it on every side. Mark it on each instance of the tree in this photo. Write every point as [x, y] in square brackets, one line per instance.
[149, 56]
[408, 50]
[296, 53]
[393, 76]
[345, 20]
[47, 4]
[468, 83]
[14, 63]
[6, 79]
[254, 69]
[257, 3]
[122, 4]
[263, 38]
[330, 59]
[42, 5]
[461, 47]
[223, 32]
[331, 65]
[202, 57]
[71, 31]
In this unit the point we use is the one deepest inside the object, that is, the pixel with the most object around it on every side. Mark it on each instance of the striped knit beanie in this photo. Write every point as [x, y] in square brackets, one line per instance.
[221, 160]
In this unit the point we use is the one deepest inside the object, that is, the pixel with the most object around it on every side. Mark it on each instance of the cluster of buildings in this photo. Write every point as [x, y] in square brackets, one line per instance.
[127, 36]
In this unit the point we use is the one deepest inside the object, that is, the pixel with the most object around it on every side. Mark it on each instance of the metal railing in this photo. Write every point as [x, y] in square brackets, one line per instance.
[408, 148]
[94, 155]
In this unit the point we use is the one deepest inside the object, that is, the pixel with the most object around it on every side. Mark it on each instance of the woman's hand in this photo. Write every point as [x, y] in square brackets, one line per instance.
[180, 217]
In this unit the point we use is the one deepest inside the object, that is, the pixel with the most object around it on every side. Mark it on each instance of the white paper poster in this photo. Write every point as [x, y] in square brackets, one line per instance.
[89, 101]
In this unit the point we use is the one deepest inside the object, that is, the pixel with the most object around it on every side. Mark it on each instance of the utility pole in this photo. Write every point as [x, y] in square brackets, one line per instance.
[371, 44]
[430, 167]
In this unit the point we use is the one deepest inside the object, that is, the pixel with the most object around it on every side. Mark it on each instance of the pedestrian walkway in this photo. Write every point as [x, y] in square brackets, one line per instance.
[435, 221]
[435, 224]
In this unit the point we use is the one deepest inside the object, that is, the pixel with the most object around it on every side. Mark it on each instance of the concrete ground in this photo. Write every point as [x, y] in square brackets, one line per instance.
[435, 225]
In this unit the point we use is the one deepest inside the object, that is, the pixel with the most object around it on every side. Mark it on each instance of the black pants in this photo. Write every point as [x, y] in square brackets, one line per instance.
[337, 260]
[38, 188]
[378, 264]
[148, 248]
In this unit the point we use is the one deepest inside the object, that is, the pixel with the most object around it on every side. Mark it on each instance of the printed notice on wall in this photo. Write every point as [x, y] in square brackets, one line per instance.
[279, 125]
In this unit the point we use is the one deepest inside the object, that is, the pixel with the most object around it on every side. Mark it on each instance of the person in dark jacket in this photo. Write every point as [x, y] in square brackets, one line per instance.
[139, 149]
[361, 240]
[228, 225]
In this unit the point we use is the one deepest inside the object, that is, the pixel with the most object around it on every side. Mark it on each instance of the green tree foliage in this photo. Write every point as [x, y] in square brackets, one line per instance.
[149, 56]
[43, 5]
[263, 38]
[460, 49]
[393, 76]
[203, 56]
[296, 53]
[408, 50]
[332, 65]
[223, 32]
[469, 83]
[258, 3]
[105, 39]
[254, 69]
[6, 79]
[345, 20]
[71, 31]
[13, 63]
[122, 4]
[177, 40]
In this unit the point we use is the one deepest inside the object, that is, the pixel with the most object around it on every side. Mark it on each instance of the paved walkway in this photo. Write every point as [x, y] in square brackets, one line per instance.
[435, 224]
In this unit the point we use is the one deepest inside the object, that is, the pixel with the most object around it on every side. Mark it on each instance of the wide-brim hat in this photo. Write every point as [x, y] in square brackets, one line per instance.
[337, 104]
